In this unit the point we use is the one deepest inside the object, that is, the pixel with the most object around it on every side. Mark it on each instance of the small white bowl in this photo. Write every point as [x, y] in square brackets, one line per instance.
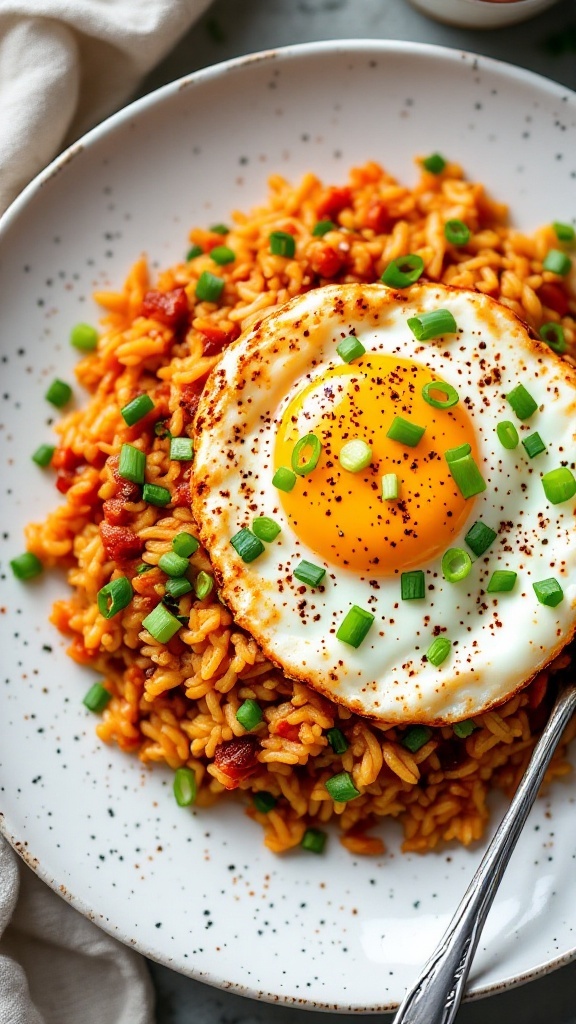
[481, 13]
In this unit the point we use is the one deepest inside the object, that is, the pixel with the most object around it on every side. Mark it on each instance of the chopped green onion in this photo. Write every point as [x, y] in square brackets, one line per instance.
[195, 251]
[132, 464]
[412, 585]
[557, 262]
[354, 626]
[322, 227]
[533, 444]
[154, 494]
[350, 348]
[26, 566]
[249, 714]
[284, 479]
[220, 229]
[59, 393]
[136, 409]
[203, 585]
[209, 287]
[416, 738]
[435, 163]
[548, 592]
[300, 451]
[355, 455]
[440, 387]
[185, 544]
[161, 430]
[502, 581]
[184, 787]
[222, 254]
[522, 402]
[314, 840]
[432, 324]
[479, 538]
[181, 449]
[342, 788]
[178, 586]
[390, 487]
[309, 573]
[161, 624]
[460, 452]
[456, 232]
[143, 567]
[173, 564]
[97, 698]
[553, 334]
[559, 485]
[456, 565]
[405, 431]
[463, 729]
[563, 232]
[84, 337]
[247, 545]
[114, 597]
[403, 271]
[439, 650]
[466, 476]
[337, 741]
[282, 244]
[264, 801]
[507, 434]
[265, 528]
[43, 455]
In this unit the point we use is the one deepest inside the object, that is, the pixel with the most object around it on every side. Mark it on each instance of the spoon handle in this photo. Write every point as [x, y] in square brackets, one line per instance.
[436, 995]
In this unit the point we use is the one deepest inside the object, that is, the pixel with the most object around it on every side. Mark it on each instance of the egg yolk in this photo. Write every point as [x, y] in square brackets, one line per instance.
[341, 515]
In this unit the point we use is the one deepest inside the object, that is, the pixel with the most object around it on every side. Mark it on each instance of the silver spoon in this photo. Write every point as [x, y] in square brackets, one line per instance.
[436, 995]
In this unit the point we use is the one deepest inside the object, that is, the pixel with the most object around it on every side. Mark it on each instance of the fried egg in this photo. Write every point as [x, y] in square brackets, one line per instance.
[424, 491]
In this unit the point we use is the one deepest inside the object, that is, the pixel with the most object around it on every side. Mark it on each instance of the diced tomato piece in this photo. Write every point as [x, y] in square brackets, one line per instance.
[325, 261]
[65, 458]
[115, 512]
[377, 217]
[287, 730]
[554, 296]
[64, 481]
[170, 308]
[217, 337]
[237, 759]
[181, 492]
[120, 542]
[189, 398]
[333, 201]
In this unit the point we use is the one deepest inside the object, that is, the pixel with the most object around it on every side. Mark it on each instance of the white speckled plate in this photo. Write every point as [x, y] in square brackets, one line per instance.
[198, 891]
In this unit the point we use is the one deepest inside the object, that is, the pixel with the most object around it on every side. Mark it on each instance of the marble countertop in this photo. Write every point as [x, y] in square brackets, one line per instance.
[230, 29]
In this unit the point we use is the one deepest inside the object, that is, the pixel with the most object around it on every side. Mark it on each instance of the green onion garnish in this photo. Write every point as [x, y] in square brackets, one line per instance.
[154, 494]
[432, 324]
[178, 586]
[553, 334]
[466, 475]
[282, 244]
[563, 232]
[185, 544]
[337, 741]
[548, 592]
[249, 714]
[161, 624]
[439, 650]
[559, 485]
[247, 545]
[136, 409]
[502, 581]
[314, 840]
[412, 585]
[265, 528]
[479, 538]
[59, 393]
[416, 737]
[97, 698]
[114, 597]
[173, 564]
[522, 402]
[264, 801]
[309, 573]
[405, 431]
[355, 455]
[350, 348]
[184, 787]
[342, 788]
[307, 448]
[533, 444]
[284, 479]
[84, 337]
[203, 585]
[322, 227]
[507, 434]
[435, 163]
[209, 287]
[193, 252]
[132, 464]
[26, 566]
[456, 564]
[460, 452]
[403, 271]
[222, 254]
[219, 229]
[390, 487]
[43, 455]
[456, 232]
[161, 430]
[143, 567]
[181, 449]
[557, 262]
[440, 387]
[354, 626]
[463, 729]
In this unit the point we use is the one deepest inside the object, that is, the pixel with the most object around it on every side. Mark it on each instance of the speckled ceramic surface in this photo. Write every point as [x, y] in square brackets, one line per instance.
[197, 890]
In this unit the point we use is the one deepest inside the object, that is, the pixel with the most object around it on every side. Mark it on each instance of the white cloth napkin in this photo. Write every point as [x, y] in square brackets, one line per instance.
[67, 64]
